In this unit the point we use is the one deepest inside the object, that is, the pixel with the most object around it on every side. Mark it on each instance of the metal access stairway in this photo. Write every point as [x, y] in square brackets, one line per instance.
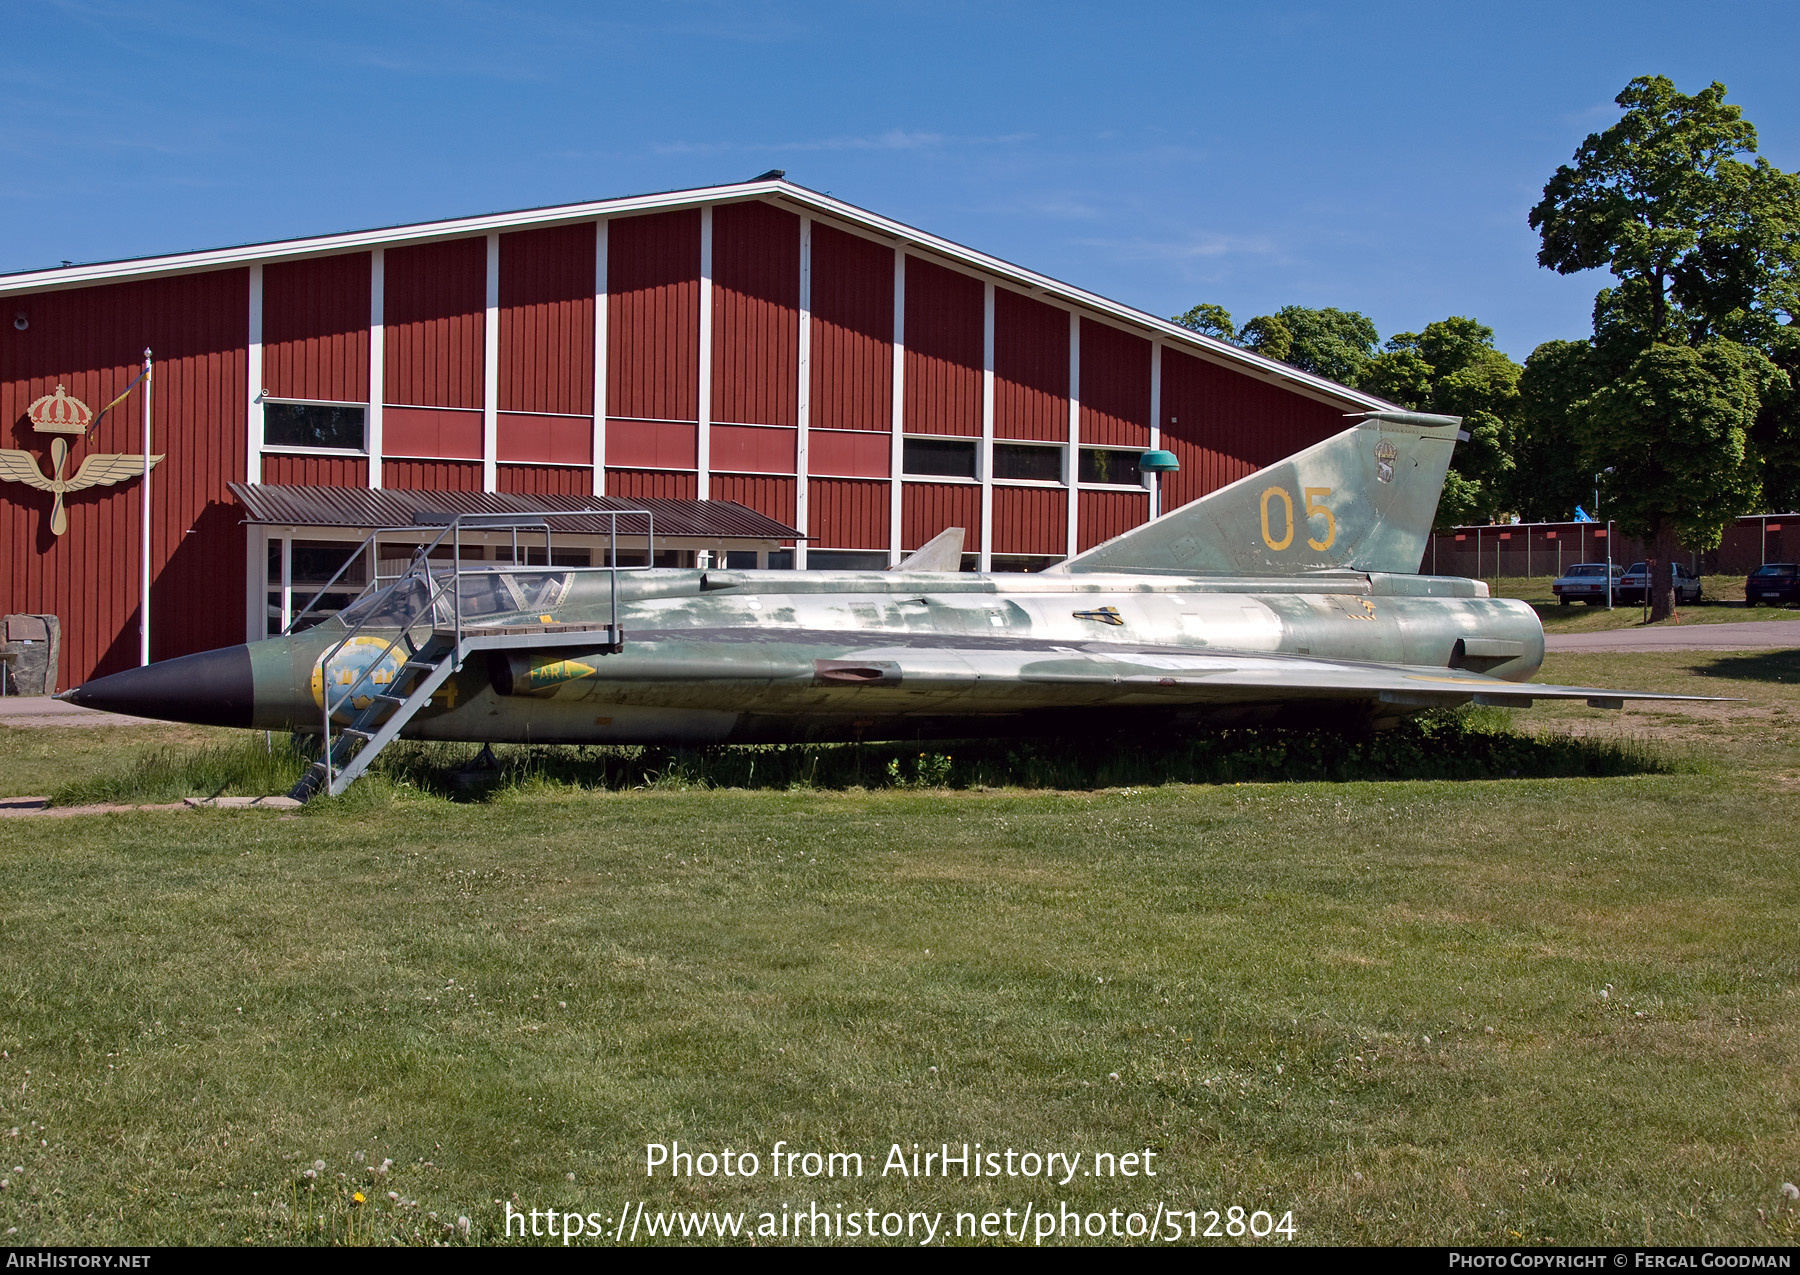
[424, 595]
[350, 750]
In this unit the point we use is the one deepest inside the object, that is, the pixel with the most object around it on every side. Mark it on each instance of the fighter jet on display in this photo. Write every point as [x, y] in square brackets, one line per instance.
[1290, 594]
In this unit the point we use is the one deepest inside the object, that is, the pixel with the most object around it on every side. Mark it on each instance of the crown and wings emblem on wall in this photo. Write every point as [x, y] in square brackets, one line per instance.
[58, 413]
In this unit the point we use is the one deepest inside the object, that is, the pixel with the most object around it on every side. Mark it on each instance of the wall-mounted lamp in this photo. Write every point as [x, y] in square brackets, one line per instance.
[1153, 465]
[20, 321]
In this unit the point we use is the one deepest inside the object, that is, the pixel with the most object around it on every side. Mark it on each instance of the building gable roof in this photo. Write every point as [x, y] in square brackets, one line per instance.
[774, 189]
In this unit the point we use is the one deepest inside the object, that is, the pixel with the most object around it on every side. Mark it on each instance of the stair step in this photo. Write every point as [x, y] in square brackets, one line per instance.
[310, 783]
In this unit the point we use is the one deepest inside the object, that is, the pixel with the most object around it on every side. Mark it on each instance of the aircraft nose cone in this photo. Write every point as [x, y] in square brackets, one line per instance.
[213, 688]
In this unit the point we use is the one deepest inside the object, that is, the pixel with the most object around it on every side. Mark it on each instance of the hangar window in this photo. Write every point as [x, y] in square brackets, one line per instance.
[1018, 462]
[938, 457]
[745, 560]
[1024, 561]
[300, 569]
[1110, 466]
[843, 560]
[338, 427]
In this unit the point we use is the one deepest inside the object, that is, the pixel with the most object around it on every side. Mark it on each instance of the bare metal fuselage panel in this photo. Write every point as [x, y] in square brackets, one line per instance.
[722, 656]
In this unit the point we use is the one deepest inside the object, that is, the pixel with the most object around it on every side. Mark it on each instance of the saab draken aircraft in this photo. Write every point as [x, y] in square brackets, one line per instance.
[1290, 594]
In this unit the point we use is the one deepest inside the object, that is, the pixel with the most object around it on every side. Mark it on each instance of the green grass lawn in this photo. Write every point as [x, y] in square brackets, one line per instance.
[1487, 1011]
[1721, 602]
[39, 760]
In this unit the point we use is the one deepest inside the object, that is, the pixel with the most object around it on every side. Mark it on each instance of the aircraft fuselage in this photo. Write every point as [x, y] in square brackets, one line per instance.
[719, 656]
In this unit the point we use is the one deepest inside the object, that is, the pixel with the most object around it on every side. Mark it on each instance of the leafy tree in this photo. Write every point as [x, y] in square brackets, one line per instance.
[1400, 374]
[1334, 344]
[1776, 436]
[1551, 476]
[1661, 199]
[1268, 336]
[1452, 368]
[1703, 239]
[1209, 320]
[1675, 428]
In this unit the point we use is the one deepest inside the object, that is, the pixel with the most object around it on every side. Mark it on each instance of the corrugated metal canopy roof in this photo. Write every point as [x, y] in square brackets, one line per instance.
[366, 508]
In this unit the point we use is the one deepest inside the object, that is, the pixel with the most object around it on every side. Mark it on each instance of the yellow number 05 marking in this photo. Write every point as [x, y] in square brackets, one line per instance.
[1287, 519]
[1315, 508]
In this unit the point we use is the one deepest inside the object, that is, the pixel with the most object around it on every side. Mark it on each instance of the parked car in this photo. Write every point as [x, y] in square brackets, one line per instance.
[1631, 586]
[1773, 582]
[1585, 582]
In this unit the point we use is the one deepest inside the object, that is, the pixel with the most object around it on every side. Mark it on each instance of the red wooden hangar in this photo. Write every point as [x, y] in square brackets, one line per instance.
[760, 343]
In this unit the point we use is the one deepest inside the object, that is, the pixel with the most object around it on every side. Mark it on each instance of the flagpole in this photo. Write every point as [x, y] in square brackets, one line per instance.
[144, 602]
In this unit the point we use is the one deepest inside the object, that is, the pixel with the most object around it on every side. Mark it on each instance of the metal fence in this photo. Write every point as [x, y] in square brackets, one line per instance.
[1527, 549]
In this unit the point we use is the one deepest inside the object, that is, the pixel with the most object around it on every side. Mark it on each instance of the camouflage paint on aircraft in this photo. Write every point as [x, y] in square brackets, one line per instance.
[1289, 593]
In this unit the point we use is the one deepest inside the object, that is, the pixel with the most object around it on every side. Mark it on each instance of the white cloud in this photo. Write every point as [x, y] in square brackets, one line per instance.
[1190, 248]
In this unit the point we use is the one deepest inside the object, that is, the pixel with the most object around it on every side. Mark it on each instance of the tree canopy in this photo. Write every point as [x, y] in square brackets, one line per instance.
[1452, 368]
[1689, 387]
[1335, 344]
[1551, 475]
[1209, 320]
[1676, 430]
[1691, 403]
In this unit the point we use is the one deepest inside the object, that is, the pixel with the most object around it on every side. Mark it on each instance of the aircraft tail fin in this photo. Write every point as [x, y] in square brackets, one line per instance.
[943, 552]
[1362, 500]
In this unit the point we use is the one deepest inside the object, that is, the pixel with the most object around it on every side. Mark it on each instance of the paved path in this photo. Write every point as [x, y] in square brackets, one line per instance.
[41, 710]
[1751, 635]
[25, 807]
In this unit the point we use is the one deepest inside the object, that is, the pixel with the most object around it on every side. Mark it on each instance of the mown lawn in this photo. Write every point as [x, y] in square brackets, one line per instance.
[1721, 602]
[1489, 1011]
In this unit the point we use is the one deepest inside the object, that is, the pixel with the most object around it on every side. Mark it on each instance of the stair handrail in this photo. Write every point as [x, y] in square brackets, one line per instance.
[438, 583]
[374, 581]
[313, 601]
[420, 558]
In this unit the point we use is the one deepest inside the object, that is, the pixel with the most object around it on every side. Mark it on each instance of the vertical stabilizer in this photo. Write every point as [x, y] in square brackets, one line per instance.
[943, 552]
[1362, 500]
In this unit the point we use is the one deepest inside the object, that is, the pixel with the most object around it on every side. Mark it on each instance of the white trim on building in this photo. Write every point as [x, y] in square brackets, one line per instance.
[490, 370]
[600, 241]
[373, 439]
[897, 440]
[803, 394]
[807, 202]
[703, 434]
[253, 380]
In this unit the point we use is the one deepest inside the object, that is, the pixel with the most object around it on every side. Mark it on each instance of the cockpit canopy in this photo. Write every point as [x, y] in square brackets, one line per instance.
[480, 590]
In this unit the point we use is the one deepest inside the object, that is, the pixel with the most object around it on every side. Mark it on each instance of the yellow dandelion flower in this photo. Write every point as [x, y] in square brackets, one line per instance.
[358, 1197]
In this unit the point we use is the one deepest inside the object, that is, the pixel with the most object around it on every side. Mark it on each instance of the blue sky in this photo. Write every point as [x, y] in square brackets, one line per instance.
[1377, 157]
